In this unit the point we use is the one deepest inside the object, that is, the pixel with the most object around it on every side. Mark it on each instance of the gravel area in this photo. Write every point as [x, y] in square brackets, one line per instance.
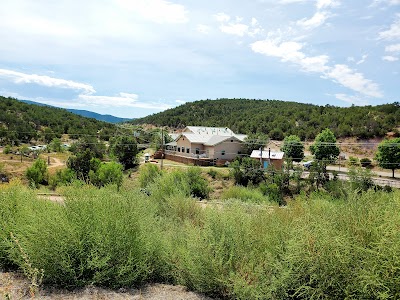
[15, 286]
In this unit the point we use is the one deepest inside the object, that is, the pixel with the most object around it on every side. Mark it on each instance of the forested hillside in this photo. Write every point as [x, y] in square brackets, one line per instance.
[281, 118]
[86, 113]
[21, 123]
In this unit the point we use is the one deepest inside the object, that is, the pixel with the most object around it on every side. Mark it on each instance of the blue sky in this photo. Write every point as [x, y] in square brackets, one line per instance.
[131, 58]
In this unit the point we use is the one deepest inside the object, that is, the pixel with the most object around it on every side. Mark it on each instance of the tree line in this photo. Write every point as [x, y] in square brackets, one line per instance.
[22, 123]
[278, 119]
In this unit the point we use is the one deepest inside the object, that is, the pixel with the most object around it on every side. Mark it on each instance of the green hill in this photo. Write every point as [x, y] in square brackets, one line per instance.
[280, 118]
[21, 123]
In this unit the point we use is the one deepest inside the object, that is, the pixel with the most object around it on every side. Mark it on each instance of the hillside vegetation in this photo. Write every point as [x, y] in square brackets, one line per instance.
[22, 123]
[281, 118]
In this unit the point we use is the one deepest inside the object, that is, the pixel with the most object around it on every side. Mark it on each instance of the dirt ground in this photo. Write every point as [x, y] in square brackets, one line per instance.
[14, 286]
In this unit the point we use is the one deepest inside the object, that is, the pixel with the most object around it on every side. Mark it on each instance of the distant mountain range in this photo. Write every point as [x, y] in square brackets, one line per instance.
[86, 113]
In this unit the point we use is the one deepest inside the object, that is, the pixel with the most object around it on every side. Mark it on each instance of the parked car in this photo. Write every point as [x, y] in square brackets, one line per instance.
[307, 165]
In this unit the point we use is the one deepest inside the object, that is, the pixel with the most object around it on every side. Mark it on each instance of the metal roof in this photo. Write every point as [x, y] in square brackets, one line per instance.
[174, 136]
[224, 131]
[216, 139]
[196, 138]
[265, 154]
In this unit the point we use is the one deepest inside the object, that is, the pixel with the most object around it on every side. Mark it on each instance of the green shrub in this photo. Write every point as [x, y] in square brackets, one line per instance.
[365, 162]
[272, 191]
[244, 194]
[106, 173]
[197, 184]
[213, 173]
[361, 179]
[7, 149]
[353, 161]
[148, 174]
[98, 237]
[37, 173]
[62, 177]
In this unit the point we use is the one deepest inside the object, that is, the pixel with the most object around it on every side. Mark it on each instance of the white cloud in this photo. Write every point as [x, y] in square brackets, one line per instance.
[43, 80]
[342, 74]
[356, 100]
[393, 48]
[203, 28]
[318, 19]
[393, 33]
[326, 3]
[362, 60]
[290, 51]
[158, 11]
[390, 58]
[180, 101]
[293, 1]
[222, 17]
[237, 27]
[388, 2]
[121, 100]
[351, 59]
[351, 79]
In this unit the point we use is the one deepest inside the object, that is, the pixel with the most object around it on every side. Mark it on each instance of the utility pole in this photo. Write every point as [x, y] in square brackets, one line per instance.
[261, 158]
[162, 147]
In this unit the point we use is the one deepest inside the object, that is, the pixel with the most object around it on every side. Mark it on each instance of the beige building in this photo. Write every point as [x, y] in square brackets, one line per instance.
[207, 143]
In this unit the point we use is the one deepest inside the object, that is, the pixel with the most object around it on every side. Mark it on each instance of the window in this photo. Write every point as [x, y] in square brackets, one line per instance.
[197, 150]
[187, 150]
[179, 149]
[223, 152]
[183, 149]
[231, 141]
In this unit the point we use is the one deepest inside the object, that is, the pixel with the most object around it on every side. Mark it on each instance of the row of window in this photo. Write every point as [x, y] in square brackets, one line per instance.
[183, 149]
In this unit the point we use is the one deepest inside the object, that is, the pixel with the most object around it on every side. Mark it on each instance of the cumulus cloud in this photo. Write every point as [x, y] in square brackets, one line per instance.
[237, 27]
[292, 1]
[393, 33]
[222, 17]
[342, 74]
[43, 80]
[318, 19]
[326, 3]
[158, 11]
[121, 100]
[290, 52]
[362, 60]
[393, 48]
[320, 16]
[390, 58]
[387, 2]
[356, 81]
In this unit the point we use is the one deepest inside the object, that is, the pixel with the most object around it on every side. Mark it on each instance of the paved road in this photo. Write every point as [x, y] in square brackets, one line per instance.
[377, 180]
[377, 174]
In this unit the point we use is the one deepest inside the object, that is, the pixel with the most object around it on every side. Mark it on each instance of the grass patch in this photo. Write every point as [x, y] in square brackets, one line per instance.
[252, 195]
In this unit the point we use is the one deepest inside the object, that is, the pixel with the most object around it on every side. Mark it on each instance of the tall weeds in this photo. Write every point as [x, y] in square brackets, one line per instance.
[317, 247]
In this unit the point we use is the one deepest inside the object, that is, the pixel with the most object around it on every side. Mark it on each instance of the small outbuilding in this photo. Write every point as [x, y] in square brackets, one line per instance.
[268, 157]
